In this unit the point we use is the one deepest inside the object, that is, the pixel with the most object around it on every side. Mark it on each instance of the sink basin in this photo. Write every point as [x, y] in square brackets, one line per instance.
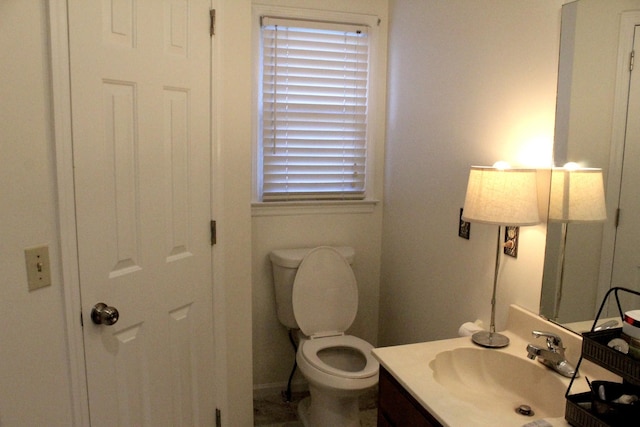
[497, 383]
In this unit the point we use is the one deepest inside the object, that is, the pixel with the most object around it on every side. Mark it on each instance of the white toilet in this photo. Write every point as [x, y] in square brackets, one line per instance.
[316, 292]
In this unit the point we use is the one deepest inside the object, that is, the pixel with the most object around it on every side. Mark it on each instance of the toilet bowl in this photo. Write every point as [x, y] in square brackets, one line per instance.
[338, 369]
[324, 301]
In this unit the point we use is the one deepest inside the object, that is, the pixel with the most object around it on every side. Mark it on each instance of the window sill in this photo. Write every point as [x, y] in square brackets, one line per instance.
[313, 208]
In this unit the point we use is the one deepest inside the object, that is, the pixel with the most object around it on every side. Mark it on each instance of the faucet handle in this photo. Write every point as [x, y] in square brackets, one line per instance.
[553, 340]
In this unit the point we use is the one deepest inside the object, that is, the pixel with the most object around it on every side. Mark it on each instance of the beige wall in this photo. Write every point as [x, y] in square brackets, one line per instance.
[469, 83]
[231, 209]
[33, 349]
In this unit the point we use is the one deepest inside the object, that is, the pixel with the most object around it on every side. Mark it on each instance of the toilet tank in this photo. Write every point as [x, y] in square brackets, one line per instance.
[285, 264]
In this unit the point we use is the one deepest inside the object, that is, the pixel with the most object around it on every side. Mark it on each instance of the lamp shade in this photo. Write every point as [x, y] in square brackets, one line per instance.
[577, 195]
[501, 196]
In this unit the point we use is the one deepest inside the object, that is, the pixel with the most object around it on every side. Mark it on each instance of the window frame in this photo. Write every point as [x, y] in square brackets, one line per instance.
[303, 206]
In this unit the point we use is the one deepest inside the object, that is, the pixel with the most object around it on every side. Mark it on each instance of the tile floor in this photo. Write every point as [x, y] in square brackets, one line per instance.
[273, 411]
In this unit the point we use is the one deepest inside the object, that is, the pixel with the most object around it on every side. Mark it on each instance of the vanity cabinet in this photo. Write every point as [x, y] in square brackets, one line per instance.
[396, 407]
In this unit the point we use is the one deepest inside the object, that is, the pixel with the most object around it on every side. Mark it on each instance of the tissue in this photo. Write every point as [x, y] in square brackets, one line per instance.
[469, 328]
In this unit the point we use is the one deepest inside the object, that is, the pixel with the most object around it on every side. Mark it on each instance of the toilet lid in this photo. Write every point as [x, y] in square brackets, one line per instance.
[325, 293]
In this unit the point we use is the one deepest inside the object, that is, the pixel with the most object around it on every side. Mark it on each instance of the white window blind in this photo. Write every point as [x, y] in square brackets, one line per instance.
[314, 110]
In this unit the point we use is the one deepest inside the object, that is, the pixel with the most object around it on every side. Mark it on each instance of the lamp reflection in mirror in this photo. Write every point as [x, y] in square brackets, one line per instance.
[577, 195]
[500, 196]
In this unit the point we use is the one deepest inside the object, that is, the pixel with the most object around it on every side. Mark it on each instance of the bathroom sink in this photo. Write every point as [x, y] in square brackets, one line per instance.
[500, 382]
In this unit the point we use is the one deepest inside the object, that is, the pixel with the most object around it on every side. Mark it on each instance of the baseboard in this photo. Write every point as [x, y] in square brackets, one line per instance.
[260, 391]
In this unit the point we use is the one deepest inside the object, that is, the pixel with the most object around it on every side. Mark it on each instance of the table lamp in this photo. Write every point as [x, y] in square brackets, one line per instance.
[500, 196]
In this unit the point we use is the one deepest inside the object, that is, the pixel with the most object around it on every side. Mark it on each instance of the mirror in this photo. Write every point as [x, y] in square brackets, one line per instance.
[594, 85]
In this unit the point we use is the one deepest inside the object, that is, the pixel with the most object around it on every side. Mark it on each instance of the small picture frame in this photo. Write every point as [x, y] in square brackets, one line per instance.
[511, 235]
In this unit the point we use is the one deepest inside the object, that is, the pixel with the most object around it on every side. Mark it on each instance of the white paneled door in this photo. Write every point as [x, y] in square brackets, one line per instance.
[140, 87]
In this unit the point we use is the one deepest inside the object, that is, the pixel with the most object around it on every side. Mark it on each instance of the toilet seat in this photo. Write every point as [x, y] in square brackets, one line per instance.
[325, 293]
[311, 348]
[338, 367]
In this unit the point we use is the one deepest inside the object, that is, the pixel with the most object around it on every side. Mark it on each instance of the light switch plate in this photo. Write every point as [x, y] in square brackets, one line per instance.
[464, 227]
[38, 267]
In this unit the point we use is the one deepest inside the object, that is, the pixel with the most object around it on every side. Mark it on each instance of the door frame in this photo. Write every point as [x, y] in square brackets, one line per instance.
[61, 100]
[63, 148]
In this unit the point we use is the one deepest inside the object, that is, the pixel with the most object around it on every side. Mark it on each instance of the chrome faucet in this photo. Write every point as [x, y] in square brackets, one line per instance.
[553, 355]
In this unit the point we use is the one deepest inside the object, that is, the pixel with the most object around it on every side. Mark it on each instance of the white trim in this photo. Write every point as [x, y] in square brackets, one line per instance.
[61, 95]
[313, 207]
[219, 251]
[376, 112]
[628, 22]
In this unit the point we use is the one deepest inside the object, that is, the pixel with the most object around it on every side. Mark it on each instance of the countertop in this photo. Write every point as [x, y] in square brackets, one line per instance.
[409, 364]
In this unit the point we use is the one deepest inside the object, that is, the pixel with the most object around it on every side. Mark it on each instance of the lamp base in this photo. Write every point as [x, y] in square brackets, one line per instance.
[490, 339]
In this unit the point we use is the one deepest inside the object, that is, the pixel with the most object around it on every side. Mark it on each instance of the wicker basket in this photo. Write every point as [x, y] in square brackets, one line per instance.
[595, 349]
[579, 410]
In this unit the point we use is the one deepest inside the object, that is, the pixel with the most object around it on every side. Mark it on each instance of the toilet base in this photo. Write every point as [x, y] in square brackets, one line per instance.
[303, 411]
[321, 409]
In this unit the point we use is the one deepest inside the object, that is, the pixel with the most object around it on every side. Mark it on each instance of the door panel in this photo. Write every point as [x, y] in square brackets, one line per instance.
[140, 77]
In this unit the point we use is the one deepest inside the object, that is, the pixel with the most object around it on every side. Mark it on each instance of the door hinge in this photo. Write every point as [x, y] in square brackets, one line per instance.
[214, 237]
[218, 418]
[81, 320]
[212, 22]
[617, 217]
[632, 59]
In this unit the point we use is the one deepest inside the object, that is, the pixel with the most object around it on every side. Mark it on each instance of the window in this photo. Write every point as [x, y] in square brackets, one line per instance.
[313, 110]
